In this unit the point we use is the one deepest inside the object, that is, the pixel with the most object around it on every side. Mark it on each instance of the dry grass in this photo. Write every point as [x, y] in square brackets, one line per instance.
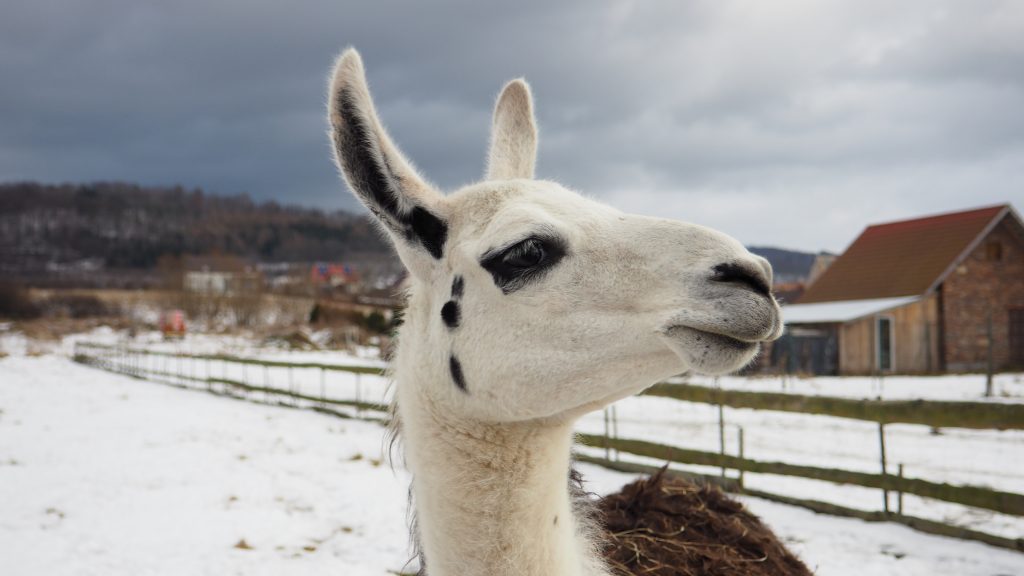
[667, 526]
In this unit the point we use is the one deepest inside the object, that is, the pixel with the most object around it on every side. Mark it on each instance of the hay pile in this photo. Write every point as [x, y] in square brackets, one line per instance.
[665, 525]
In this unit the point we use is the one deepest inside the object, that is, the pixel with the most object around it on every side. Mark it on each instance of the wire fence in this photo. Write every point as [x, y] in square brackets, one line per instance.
[353, 391]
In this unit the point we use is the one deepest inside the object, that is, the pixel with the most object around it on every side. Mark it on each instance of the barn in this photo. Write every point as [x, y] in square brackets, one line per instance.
[941, 293]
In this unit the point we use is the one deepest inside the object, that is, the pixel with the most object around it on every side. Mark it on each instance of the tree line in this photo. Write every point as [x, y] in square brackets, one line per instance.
[84, 228]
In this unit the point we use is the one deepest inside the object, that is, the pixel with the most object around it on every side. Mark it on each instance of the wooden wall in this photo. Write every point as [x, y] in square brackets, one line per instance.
[915, 340]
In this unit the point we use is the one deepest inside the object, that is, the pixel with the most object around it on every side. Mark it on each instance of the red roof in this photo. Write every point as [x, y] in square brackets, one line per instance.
[902, 258]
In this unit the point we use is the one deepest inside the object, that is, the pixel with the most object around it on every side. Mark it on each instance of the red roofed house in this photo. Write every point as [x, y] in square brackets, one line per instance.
[915, 296]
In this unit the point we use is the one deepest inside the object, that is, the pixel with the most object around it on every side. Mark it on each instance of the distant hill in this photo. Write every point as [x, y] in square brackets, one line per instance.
[79, 232]
[115, 234]
[788, 265]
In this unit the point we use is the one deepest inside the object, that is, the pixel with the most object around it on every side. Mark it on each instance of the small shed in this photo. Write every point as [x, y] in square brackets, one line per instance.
[934, 294]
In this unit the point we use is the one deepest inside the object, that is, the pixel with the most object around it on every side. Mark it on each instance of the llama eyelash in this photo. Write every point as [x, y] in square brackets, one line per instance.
[510, 277]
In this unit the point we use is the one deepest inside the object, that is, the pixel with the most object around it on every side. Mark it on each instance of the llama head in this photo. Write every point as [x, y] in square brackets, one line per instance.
[529, 301]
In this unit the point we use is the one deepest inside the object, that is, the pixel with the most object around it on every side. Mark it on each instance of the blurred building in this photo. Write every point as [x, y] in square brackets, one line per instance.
[940, 293]
[220, 276]
[326, 276]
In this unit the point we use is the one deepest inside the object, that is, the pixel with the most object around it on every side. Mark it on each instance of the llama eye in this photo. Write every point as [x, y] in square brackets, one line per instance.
[526, 254]
[524, 263]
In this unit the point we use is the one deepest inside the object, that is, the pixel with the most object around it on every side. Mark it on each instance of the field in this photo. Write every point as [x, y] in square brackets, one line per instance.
[115, 475]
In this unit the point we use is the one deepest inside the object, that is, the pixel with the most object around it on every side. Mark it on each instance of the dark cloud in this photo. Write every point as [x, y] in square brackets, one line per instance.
[788, 123]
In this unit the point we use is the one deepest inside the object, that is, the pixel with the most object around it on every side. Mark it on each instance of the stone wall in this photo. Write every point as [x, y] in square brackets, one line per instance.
[980, 285]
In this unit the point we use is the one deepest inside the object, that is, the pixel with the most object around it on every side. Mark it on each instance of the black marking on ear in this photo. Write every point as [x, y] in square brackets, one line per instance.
[521, 263]
[376, 184]
[458, 287]
[456, 369]
[451, 313]
[430, 230]
[359, 153]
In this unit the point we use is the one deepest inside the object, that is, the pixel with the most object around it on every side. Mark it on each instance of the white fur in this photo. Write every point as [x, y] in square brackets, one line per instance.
[633, 302]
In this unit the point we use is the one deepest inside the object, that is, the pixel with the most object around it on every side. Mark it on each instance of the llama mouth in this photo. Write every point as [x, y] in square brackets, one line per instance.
[709, 352]
[709, 338]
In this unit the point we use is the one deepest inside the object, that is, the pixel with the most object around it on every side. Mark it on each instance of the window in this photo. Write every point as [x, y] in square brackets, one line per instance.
[883, 351]
[994, 251]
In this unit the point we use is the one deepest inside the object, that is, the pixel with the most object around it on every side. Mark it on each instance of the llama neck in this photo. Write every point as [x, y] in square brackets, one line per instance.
[493, 499]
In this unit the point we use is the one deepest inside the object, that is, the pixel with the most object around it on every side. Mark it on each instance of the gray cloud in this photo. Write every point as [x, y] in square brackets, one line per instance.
[785, 123]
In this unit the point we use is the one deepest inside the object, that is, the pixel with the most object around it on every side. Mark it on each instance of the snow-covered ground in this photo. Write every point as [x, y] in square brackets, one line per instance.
[139, 451]
[966, 457]
[954, 387]
[104, 474]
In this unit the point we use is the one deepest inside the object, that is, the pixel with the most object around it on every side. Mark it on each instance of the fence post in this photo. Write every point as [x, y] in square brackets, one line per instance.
[607, 435]
[740, 429]
[615, 427]
[899, 493]
[885, 491]
[323, 389]
[989, 359]
[245, 379]
[291, 387]
[266, 384]
[721, 426]
[359, 394]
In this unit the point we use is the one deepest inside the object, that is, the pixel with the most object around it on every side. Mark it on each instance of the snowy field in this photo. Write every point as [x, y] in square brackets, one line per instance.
[112, 475]
[958, 456]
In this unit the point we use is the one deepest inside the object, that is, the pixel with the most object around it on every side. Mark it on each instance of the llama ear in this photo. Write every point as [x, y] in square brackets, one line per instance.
[514, 134]
[378, 174]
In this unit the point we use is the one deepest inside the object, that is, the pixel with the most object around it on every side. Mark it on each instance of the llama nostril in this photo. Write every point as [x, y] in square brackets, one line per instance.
[752, 277]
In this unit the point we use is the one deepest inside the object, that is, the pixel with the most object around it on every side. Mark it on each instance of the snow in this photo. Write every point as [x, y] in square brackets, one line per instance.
[842, 311]
[1007, 388]
[114, 475]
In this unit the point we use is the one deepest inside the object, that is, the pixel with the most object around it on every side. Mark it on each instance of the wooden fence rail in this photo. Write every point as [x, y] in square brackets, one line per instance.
[731, 485]
[937, 414]
[375, 370]
[1005, 502]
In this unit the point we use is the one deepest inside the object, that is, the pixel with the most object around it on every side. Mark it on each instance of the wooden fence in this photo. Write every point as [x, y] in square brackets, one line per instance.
[937, 414]
[255, 382]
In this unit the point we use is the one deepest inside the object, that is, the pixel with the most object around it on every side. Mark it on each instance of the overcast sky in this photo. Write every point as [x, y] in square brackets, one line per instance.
[790, 124]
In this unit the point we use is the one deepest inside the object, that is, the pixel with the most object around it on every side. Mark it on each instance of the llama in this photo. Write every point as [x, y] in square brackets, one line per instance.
[529, 306]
